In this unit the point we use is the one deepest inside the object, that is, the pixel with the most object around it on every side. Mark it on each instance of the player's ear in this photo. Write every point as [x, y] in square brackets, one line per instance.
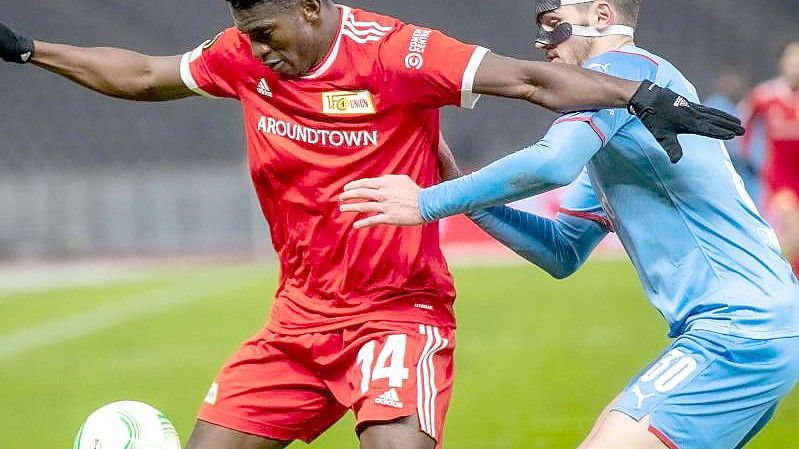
[603, 15]
[311, 9]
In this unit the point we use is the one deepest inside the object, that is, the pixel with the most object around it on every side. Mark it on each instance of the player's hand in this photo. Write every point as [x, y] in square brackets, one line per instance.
[391, 200]
[667, 115]
[14, 47]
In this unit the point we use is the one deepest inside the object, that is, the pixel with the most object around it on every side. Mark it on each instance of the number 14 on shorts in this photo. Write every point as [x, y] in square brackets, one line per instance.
[390, 362]
[408, 372]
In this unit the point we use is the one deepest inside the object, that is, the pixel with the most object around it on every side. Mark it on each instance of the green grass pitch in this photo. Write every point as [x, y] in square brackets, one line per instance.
[537, 359]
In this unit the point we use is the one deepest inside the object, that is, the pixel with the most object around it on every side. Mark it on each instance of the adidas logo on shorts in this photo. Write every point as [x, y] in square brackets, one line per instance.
[389, 398]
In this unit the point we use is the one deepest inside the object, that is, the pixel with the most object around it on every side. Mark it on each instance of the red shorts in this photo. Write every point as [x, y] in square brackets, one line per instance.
[295, 387]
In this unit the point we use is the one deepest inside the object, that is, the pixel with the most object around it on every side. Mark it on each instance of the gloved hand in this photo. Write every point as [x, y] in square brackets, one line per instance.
[667, 114]
[13, 47]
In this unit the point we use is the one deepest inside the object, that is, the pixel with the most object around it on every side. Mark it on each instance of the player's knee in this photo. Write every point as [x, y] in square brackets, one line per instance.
[401, 434]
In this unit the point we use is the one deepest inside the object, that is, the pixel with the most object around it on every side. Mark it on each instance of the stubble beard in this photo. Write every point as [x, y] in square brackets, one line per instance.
[583, 47]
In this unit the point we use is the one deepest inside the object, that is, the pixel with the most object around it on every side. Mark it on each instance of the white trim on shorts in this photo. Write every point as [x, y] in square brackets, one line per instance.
[426, 389]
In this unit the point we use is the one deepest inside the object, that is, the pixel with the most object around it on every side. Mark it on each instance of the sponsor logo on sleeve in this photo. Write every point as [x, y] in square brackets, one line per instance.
[210, 42]
[347, 103]
[197, 52]
[212, 395]
[416, 49]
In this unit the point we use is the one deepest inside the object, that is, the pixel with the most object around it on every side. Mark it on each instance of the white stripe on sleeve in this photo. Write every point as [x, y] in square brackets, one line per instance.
[187, 77]
[469, 99]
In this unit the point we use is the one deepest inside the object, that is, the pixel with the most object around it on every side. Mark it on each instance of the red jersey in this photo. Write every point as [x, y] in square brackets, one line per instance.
[776, 106]
[370, 108]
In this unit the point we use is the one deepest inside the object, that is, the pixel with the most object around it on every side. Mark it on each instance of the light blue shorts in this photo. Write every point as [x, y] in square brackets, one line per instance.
[712, 391]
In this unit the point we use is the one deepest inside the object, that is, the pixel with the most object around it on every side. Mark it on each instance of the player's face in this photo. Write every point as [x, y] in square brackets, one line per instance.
[576, 49]
[790, 65]
[283, 39]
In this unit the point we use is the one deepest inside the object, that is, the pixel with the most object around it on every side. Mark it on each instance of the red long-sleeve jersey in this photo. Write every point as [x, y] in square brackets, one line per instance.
[370, 108]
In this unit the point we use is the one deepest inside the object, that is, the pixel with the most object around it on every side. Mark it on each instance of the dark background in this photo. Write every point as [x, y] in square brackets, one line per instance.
[47, 122]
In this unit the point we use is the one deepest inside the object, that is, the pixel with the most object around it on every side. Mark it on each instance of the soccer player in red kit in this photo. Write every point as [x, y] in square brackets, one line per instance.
[775, 106]
[362, 320]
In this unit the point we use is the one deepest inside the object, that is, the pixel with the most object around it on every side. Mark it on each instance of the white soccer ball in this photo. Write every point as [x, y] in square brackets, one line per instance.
[127, 425]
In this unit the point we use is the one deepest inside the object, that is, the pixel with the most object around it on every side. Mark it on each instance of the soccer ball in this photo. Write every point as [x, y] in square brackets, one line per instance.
[127, 425]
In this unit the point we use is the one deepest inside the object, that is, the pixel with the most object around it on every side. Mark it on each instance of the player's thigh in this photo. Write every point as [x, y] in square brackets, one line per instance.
[401, 434]
[270, 390]
[616, 430]
[211, 436]
[602, 418]
[711, 391]
[398, 377]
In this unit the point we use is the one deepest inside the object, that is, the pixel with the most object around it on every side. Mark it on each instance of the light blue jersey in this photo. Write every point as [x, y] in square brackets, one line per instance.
[706, 258]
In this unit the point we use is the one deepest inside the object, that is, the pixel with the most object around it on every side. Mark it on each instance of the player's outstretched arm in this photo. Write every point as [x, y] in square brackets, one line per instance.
[447, 165]
[558, 246]
[561, 87]
[558, 87]
[555, 161]
[111, 71]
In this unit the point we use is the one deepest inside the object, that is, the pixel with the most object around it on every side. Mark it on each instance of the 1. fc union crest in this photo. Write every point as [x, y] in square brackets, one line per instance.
[347, 103]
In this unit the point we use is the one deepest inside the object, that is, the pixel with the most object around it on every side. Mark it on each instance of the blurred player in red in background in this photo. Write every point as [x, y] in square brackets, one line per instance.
[362, 320]
[774, 105]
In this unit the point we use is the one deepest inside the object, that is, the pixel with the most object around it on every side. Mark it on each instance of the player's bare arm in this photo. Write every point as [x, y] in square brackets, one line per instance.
[447, 165]
[561, 87]
[115, 72]
[111, 71]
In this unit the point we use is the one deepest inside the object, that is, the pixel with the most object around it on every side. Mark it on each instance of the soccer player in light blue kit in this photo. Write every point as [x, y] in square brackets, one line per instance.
[707, 260]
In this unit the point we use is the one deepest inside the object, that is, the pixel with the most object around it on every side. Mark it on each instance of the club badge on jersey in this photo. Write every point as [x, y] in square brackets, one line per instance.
[564, 30]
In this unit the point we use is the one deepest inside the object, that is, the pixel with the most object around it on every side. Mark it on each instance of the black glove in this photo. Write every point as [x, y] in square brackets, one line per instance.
[666, 114]
[13, 47]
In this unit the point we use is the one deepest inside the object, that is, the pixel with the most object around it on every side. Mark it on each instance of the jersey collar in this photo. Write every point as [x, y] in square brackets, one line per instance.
[328, 61]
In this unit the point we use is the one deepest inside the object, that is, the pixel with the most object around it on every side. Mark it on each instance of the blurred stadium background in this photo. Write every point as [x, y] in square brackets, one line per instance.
[103, 201]
[83, 175]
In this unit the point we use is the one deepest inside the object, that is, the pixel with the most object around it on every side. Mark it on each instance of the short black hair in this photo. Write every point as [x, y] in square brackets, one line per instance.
[247, 4]
[626, 9]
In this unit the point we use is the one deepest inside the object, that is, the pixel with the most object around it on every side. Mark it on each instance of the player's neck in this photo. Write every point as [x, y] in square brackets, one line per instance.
[329, 28]
[609, 43]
